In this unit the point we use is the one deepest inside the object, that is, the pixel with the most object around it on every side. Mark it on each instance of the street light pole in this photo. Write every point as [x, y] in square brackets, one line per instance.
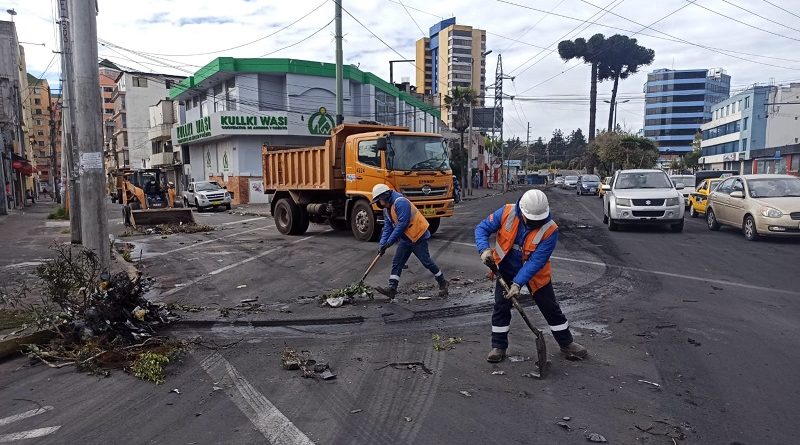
[469, 150]
[391, 68]
[616, 105]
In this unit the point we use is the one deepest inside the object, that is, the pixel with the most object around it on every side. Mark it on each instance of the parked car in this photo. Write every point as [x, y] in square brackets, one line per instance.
[761, 205]
[587, 184]
[559, 181]
[600, 191]
[688, 182]
[710, 174]
[206, 195]
[570, 182]
[643, 197]
[699, 199]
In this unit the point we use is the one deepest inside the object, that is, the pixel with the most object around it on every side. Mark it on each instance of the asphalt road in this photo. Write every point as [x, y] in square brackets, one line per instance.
[691, 338]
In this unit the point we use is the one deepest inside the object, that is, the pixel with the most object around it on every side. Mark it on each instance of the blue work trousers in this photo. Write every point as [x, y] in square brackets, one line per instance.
[403, 253]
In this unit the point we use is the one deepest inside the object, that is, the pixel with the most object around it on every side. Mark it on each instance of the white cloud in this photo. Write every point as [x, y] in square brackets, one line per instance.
[195, 26]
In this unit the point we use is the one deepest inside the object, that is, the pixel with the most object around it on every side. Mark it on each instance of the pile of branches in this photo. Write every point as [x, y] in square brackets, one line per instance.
[338, 297]
[100, 321]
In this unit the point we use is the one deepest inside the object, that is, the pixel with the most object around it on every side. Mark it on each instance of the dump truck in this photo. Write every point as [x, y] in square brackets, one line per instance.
[147, 199]
[332, 183]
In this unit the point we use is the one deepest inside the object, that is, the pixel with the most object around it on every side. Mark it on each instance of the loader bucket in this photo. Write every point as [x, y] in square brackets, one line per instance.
[152, 217]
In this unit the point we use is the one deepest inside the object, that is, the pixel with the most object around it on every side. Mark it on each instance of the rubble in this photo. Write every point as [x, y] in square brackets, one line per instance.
[440, 345]
[594, 437]
[100, 321]
[347, 295]
[310, 368]
[167, 229]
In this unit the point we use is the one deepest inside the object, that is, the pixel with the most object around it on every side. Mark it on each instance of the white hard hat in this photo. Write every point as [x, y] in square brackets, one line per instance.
[378, 190]
[534, 205]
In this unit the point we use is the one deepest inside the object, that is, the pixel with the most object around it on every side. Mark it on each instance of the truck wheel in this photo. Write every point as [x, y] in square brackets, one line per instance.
[362, 219]
[288, 218]
[433, 225]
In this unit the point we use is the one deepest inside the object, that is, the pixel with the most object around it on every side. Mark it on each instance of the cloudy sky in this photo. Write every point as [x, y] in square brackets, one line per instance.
[757, 41]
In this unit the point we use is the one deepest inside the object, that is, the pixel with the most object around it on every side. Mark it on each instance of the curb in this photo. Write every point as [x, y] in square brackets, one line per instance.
[206, 323]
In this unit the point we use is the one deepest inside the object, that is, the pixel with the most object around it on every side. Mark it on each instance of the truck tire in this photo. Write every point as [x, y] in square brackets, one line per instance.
[289, 219]
[433, 225]
[363, 222]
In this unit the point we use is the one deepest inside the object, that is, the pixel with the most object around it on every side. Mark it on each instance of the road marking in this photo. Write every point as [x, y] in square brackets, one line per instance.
[23, 264]
[25, 415]
[30, 434]
[666, 274]
[155, 254]
[264, 415]
[181, 286]
[243, 221]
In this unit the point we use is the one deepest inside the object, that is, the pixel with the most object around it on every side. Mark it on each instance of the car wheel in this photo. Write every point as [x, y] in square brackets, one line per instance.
[227, 206]
[749, 228]
[692, 212]
[711, 220]
[612, 225]
[677, 228]
[363, 222]
[197, 204]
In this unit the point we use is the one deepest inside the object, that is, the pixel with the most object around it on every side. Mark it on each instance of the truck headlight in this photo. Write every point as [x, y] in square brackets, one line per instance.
[623, 202]
[769, 212]
[673, 201]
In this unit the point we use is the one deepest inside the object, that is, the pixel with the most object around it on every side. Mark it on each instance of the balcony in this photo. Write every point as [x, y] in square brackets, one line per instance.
[159, 132]
[165, 158]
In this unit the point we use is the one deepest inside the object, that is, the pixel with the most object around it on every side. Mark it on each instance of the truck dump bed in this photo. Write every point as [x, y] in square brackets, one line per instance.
[312, 168]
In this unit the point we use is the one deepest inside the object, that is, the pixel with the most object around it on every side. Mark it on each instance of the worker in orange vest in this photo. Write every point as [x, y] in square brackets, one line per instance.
[404, 224]
[526, 237]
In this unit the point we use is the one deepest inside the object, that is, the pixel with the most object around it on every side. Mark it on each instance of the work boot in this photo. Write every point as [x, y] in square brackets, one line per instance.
[574, 351]
[443, 285]
[496, 355]
[390, 292]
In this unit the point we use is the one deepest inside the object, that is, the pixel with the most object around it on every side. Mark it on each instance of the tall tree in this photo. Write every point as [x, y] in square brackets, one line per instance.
[458, 101]
[557, 146]
[591, 52]
[621, 57]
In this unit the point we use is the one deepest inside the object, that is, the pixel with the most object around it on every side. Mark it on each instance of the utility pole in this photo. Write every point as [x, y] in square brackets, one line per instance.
[68, 154]
[339, 62]
[527, 152]
[52, 152]
[89, 121]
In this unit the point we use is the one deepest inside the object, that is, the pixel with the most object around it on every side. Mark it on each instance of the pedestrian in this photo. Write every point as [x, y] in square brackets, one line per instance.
[526, 223]
[31, 196]
[9, 195]
[404, 224]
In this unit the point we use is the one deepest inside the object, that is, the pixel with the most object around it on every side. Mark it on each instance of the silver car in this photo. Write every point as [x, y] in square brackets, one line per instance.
[570, 182]
[643, 197]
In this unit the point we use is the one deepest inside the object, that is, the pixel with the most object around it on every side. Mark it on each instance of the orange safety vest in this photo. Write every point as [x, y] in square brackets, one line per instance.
[505, 242]
[416, 227]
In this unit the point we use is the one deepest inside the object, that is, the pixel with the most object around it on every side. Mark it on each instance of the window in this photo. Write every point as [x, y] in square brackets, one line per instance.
[168, 83]
[726, 187]
[41, 143]
[747, 102]
[744, 123]
[108, 89]
[795, 163]
[738, 186]
[40, 133]
[369, 154]
[740, 105]
[37, 101]
[140, 82]
[108, 110]
[727, 110]
[38, 122]
[744, 144]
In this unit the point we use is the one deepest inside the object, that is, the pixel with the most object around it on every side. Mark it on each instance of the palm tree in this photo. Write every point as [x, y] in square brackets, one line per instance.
[456, 101]
[591, 52]
[621, 58]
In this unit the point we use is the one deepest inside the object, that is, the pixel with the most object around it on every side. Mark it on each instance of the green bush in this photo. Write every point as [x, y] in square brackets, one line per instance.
[60, 213]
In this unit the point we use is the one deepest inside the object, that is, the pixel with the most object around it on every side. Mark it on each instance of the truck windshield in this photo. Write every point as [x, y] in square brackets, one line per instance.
[417, 153]
[207, 186]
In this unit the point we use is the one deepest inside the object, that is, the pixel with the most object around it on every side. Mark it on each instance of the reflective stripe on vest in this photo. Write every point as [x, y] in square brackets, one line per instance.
[542, 230]
[417, 224]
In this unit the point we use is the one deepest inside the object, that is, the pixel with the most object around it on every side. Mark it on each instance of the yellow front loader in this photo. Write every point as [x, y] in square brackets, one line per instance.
[148, 200]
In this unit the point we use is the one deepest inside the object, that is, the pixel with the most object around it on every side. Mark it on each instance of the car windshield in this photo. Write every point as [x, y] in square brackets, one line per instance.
[417, 153]
[643, 180]
[207, 186]
[590, 178]
[571, 178]
[774, 187]
[686, 180]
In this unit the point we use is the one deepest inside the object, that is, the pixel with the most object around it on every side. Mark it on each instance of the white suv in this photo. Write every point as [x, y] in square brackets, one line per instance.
[643, 197]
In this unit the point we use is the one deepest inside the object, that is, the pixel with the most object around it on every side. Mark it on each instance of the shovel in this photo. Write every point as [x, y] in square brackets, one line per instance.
[369, 269]
[541, 346]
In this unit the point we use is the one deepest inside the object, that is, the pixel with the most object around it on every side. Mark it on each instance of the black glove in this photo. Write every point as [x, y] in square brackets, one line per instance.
[381, 249]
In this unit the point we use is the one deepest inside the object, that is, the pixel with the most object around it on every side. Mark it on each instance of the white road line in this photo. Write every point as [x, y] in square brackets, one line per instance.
[25, 415]
[181, 286]
[243, 221]
[23, 264]
[264, 415]
[30, 434]
[665, 274]
[155, 254]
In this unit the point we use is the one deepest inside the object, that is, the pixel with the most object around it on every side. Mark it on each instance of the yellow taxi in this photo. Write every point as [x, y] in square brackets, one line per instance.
[600, 191]
[699, 199]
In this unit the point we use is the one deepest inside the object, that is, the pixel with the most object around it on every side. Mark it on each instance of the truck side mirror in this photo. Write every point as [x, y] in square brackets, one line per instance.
[381, 144]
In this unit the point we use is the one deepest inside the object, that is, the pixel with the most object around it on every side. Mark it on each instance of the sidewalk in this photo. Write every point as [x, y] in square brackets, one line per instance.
[26, 234]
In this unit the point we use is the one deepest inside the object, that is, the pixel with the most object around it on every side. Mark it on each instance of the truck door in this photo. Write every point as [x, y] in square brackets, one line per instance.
[370, 167]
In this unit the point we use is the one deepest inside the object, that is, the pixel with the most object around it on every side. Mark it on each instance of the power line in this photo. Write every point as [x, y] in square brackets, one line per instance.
[412, 18]
[248, 43]
[745, 23]
[299, 41]
[760, 16]
[782, 9]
